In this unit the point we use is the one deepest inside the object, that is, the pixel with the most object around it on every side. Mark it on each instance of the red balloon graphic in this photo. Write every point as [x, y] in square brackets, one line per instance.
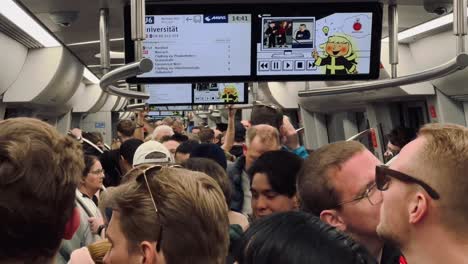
[357, 25]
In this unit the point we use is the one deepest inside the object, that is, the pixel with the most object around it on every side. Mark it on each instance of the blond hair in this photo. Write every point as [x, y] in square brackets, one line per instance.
[192, 215]
[265, 133]
[443, 163]
[98, 250]
[337, 39]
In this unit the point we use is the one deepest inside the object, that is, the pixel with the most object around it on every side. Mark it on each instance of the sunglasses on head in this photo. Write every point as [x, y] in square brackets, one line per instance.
[151, 172]
[383, 175]
[260, 103]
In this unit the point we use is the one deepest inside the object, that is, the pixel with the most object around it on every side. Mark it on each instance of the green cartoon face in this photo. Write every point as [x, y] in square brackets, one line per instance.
[337, 49]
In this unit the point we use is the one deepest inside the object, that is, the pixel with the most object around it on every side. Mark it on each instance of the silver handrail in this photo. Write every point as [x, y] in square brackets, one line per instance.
[456, 64]
[126, 71]
[135, 106]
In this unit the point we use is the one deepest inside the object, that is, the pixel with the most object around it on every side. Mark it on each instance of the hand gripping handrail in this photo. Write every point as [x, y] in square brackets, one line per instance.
[456, 64]
[126, 71]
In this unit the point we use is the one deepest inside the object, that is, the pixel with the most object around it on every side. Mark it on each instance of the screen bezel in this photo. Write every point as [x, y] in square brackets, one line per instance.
[245, 101]
[276, 10]
[171, 9]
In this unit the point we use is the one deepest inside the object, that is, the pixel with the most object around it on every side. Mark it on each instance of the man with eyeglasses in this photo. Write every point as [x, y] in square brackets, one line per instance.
[337, 183]
[424, 210]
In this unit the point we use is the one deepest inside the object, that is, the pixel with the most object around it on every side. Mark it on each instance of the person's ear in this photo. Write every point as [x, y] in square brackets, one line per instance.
[333, 218]
[72, 224]
[417, 208]
[295, 201]
[149, 253]
[244, 149]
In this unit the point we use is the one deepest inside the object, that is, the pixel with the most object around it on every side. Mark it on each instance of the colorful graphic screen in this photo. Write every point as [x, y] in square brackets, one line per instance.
[325, 44]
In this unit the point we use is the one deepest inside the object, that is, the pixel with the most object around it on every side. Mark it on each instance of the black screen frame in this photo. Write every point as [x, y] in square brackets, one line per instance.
[245, 101]
[172, 9]
[275, 9]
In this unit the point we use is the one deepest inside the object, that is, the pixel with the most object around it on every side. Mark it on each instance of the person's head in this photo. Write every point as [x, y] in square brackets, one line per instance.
[93, 175]
[152, 152]
[98, 250]
[268, 115]
[179, 137]
[273, 182]
[196, 130]
[302, 27]
[430, 196]
[94, 137]
[272, 24]
[214, 170]
[127, 152]
[184, 149]
[39, 173]
[171, 145]
[337, 183]
[134, 173]
[125, 129]
[210, 151]
[218, 135]
[239, 133]
[260, 139]
[183, 215]
[296, 238]
[168, 121]
[206, 135]
[178, 126]
[397, 139]
[162, 131]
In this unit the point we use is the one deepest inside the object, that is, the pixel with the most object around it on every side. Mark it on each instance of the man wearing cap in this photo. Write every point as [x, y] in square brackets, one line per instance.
[151, 152]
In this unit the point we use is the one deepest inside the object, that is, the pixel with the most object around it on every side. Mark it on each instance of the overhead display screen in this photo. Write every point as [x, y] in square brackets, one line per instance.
[169, 94]
[235, 43]
[325, 44]
[185, 44]
[172, 108]
[181, 97]
[153, 114]
[219, 93]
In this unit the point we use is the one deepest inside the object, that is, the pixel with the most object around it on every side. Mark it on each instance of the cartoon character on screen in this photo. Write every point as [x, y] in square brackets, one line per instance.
[340, 57]
[230, 94]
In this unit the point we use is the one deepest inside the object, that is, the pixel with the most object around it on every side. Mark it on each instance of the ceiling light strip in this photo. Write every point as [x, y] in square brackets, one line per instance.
[23, 20]
[92, 42]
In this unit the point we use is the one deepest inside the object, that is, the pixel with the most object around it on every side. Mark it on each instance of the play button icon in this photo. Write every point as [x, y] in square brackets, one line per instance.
[287, 65]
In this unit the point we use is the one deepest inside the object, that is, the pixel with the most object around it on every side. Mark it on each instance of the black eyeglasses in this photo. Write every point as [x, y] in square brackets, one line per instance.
[369, 194]
[152, 171]
[383, 176]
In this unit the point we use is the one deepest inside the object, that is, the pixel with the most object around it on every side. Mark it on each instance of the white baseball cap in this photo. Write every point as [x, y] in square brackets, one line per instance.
[152, 152]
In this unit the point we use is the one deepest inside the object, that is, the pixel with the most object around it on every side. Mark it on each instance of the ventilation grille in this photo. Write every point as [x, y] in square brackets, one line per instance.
[11, 30]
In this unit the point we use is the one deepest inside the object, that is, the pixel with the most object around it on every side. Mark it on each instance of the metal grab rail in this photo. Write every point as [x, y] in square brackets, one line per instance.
[129, 70]
[135, 106]
[456, 64]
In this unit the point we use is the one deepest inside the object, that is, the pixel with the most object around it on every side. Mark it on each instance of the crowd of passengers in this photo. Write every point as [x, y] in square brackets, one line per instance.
[249, 194]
